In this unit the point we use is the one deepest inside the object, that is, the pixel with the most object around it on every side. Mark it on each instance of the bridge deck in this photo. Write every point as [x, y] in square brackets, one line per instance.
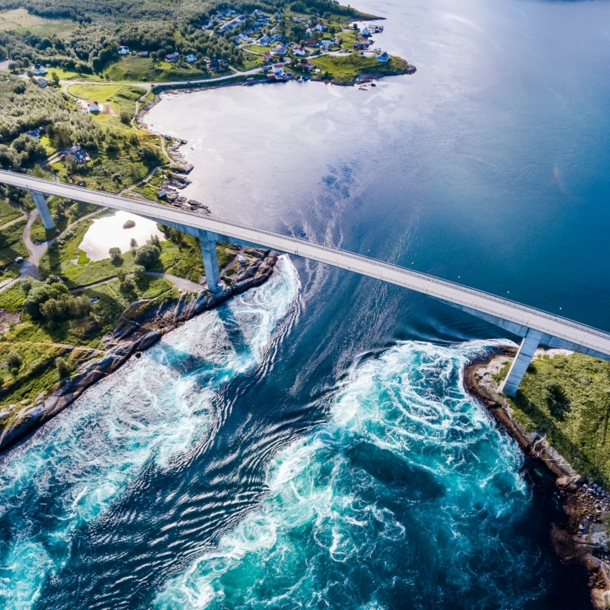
[590, 339]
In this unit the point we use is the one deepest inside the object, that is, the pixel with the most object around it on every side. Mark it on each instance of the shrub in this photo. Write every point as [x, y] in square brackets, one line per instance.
[128, 285]
[147, 256]
[14, 362]
[63, 368]
[115, 253]
[125, 117]
[129, 224]
[139, 272]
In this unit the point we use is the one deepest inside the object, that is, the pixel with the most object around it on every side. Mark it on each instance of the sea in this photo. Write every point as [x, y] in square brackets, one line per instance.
[310, 444]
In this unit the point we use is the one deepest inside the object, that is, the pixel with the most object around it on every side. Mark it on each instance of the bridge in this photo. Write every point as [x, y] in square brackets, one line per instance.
[535, 326]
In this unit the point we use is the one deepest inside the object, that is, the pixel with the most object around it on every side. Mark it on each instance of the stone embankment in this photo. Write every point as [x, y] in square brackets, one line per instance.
[142, 324]
[586, 537]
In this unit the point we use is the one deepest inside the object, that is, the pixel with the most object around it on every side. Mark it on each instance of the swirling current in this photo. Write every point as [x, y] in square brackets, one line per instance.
[403, 494]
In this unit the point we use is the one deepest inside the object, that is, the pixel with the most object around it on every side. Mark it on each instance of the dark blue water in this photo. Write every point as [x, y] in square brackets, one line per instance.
[310, 445]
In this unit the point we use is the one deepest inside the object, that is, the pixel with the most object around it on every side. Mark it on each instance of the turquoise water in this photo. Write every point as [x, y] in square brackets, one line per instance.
[310, 445]
[407, 492]
[145, 416]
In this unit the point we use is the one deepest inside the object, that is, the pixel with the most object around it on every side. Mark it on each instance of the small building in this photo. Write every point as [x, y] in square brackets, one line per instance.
[299, 51]
[264, 41]
[278, 69]
[215, 64]
[33, 133]
[38, 70]
[311, 42]
[190, 58]
[19, 260]
[41, 81]
[267, 56]
[320, 27]
[280, 49]
[94, 107]
[123, 50]
[383, 57]
[172, 56]
[365, 32]
[162, 194]
[143, 53]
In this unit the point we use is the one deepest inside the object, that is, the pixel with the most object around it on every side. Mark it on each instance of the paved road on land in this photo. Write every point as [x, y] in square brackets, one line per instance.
[584, 338]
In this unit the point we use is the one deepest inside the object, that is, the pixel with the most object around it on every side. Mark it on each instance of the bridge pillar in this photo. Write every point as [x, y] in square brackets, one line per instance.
[43, 210]
[210, 260]
[522, 360]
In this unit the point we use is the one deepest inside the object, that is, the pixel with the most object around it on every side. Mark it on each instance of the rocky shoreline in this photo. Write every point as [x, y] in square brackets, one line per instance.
[141, 325]
[584, 538]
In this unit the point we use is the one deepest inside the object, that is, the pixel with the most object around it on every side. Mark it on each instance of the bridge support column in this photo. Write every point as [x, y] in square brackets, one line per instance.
[210, 260]
[521, 362]
[43, 210]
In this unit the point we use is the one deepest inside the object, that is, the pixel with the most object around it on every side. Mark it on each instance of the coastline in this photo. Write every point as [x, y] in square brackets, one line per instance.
[582, 537]
[141, 325]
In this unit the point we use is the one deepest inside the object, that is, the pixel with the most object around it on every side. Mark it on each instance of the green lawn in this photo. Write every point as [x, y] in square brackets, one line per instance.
[11, 246]
[142, 69]
[18, 18]
[52, 27]
[568, 399]
[120, 97]
[8, 212]
[345, 68]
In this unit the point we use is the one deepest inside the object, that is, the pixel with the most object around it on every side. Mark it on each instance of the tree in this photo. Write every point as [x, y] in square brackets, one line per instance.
[115, 253]
[133, 244]
[63, 368]
[128, 285]
[147, 256]
[125, 117]
[55, 78]
[139, 272]
[14, 362]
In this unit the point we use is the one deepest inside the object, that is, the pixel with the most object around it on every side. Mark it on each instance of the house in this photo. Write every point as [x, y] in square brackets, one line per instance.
[123, 50]
[278, 69]
[326, 44]
[38, 70]
[94, 107]
[264, 41]
[267, 56]
[320, 27]
[41, 81]
[311, 42]
[299, 51]
[365, 32]
[143, 53]
[172, 56]
[279, 49]
[383, 57]
[33, 133]
[190, 58]
[359, 46]
[276, 37]
[215, 64]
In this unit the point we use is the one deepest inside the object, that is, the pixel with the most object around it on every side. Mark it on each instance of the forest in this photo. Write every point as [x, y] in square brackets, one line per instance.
[152, 25]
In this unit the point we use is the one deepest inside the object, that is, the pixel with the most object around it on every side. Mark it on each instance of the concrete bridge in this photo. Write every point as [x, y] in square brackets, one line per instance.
[535, 326]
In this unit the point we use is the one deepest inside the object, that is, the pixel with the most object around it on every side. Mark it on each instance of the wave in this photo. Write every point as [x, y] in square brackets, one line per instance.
[149, 412]
[408, 497]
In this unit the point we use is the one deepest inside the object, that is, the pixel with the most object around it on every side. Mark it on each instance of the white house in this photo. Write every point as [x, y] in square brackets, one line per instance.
[365, 32]
[320, 27]
[172, 56]
[123, 50]
[278, 69]
[299, 51]
[383, 57]
[38, 70]
[191, 58]
[94, 107]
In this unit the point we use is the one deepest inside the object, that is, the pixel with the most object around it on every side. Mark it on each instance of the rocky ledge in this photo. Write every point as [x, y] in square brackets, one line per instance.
[142, 324]
[586, 537]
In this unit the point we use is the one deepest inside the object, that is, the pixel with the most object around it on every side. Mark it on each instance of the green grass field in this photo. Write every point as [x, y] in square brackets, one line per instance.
[52, 27]
[120, 97]
[344, 69]
[7, 212]
[18, 18]
[11, 246]
[568, 399]
[142, 69]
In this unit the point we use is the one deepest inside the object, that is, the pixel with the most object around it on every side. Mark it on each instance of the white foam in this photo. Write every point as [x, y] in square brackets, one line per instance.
[314, 510]
[152, 409]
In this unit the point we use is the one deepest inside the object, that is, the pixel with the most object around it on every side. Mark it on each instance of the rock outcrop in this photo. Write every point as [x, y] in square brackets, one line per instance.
[141, 325]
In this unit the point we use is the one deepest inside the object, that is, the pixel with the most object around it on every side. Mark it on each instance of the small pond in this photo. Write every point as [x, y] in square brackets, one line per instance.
[108, 232]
